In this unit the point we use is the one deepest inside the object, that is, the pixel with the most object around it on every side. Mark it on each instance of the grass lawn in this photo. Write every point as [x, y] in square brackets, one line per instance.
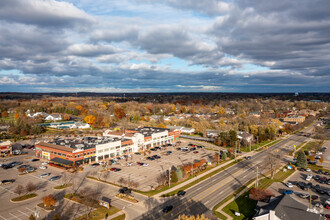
[120, 217]
[63, 186]
[309, 145]
[100, 213]
[261, 144]
[25, 197]
[243, 205]
[316, 167]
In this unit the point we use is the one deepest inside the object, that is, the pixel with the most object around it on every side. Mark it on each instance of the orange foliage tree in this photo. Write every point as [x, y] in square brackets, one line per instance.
[49, 200]
[66, 117]
[90, 119]
[260, 194]
[120, 113]
[16, 116]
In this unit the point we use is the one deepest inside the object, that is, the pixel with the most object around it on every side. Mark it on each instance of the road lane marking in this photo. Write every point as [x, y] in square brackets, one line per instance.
[205, 203]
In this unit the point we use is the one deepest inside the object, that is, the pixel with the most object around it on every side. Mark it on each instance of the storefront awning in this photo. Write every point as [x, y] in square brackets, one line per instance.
[61, 161]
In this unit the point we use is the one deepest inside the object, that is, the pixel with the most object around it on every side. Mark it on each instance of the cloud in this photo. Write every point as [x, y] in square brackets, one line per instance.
[43, 13]
[91, 50]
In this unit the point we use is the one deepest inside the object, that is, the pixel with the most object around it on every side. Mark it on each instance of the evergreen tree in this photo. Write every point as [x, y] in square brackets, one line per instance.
[224, 155]
[174, 177]
[301, 160]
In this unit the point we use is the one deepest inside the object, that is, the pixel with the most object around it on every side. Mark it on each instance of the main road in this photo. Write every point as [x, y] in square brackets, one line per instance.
[201, 198]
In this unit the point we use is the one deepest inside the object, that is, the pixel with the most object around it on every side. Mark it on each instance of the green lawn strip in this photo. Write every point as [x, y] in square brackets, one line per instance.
[309, 145]
[246, 206]
[63, 186]
[317, 167]
[200, 179]
[99, 213]
[259, 145]
[120, 217]
[24, 197]
[297, 148]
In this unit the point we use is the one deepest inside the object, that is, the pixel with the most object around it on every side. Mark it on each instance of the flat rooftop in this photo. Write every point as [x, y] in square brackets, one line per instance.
[148, 131]
[84, 143]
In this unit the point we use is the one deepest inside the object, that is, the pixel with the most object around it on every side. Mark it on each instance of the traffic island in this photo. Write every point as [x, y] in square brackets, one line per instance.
[47, 209]
[63, 186]
[127, 198]
[24, 197]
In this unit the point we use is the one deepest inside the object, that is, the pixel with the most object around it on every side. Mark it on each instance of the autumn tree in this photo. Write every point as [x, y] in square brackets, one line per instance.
[174, 177]
[4, 114]
[49, 200]
[192, 217]
[16, 116]
[66, 117]
[259, 194]
[120, 113]
[90, 119]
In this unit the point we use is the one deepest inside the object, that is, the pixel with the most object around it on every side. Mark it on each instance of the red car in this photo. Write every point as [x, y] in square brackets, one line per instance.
[196, 152]
[113, 169]
[327, 206]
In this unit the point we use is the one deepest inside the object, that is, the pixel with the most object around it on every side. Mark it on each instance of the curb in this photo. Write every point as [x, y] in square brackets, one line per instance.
[23, 200]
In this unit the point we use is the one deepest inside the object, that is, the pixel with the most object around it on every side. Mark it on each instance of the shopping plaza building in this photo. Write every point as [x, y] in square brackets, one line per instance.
[78, 151]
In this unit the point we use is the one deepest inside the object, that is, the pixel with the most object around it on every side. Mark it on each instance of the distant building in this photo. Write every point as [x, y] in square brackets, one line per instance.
[5, 148]
[297, 119]
[245, 136]
[53, 117]
[212, 133]
[184, 130]
[255, 114]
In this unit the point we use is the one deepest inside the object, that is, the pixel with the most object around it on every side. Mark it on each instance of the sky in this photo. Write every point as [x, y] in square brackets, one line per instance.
[164, 46]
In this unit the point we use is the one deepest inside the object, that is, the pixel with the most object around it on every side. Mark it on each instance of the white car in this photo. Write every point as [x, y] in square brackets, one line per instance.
[309, 177]
[145, 164]
[288, 184]
[43, 167]
[129, 155]
[308, 170]
[44, 163]
[129, 164]
[122, 157]
[328, 201]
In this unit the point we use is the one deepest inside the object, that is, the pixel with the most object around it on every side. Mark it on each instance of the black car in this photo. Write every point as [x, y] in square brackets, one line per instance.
[125, 190]
[167, 208]
[117, 169]
[54, 178]
[319, 172]
[309, 185]
[248, 157]
[294, 183]
[326, 173]
[34, 160]
[137, 153]
[322, 181]
[153, 149]
[181, 193]
[15, 163]
[314, 197]
[328, 182]
[7, 166]
[301, 185]
[193, 148]
[317, 187]
[95, 164]
[7, 181]
[316, 177]
[321, 191]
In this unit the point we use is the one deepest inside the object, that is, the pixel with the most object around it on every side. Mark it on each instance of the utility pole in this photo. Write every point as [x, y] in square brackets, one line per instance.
[310, 199]
[169, 178]
[235, 149]
[250, 145]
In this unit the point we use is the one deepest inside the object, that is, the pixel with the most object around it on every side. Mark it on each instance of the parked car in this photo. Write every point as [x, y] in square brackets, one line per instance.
[125, 190]
[43, 167]
[319, 171]
[308, 170]
[117, 169]
[181, 193]
[327, 206]
[137, 153]
[288, 184]
[314, 197]
[303, 195]
[167, 209]
[301, 185]
[248, 157]
[44, 174]
[29, 170]
[287, 192]
[54, 178]
[316, 177]
[196, 152]
[113, 169]
[35, 159]
[95, 165]
[309, 177]
[169, 152]
[129, 164]
[7, 181]
[145, 164]
[44, 163]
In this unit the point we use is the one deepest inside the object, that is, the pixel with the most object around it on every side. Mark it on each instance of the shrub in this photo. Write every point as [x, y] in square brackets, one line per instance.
[49, 201]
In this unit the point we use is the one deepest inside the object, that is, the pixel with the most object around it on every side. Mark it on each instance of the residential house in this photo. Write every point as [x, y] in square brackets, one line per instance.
[284, 208]
[212, 133]
[298, 119]
[245, 136]
[53, 117]
[184, 130]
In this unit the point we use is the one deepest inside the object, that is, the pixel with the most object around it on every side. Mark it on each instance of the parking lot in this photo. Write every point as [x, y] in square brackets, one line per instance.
[22, 210]
[297, 178]
[140, 173]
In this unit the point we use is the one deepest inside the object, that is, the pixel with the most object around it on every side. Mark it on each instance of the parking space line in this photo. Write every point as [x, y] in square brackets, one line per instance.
[2, 217]
[14, 216]
[7, 189]
[30, 209]
[23, 213]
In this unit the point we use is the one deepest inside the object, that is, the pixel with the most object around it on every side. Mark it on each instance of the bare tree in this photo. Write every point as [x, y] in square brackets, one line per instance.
[122, 181]
[90, 197]
[162, 178]
[30, 187]
[273, 162]
[19, 190]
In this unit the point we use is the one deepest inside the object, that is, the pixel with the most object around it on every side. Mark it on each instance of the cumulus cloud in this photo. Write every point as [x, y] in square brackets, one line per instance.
[136, 45]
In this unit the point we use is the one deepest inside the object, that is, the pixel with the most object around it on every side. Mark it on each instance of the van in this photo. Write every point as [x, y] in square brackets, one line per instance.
[309, 177]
